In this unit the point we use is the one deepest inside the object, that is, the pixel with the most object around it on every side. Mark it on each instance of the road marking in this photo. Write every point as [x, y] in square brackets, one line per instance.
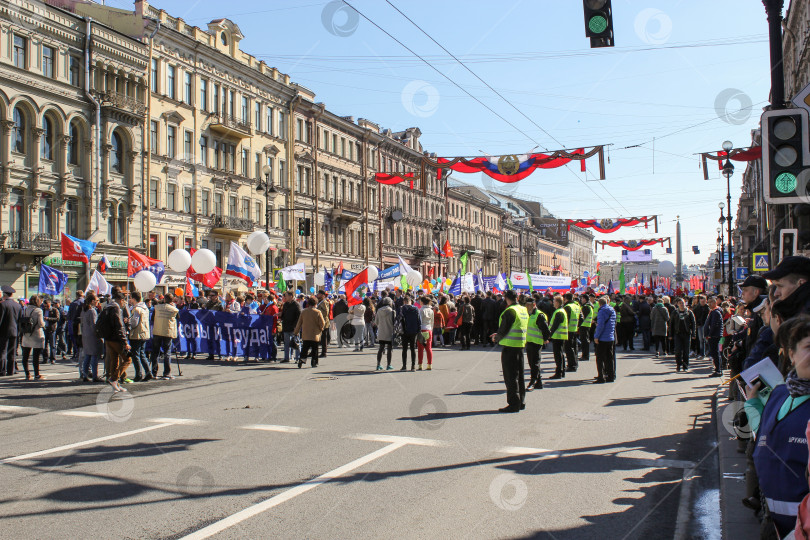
[397, 439]
[523, 451]
[176, 421]
[83, 414]
[285, 496]
[646, 462]
[16, 409]
[82, 443]
[279, 429]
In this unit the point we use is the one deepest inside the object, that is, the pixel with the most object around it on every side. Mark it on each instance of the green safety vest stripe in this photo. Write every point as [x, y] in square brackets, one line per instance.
[516, 337]
[533, 334]
[573, 322]
[588, 322]
[562, 330]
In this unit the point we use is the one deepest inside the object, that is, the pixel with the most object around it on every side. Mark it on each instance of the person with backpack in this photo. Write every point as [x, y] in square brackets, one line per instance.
[425, 336]
[465, 323]
[32, 328]
[110, 327]
[163, 332]
[410, 327]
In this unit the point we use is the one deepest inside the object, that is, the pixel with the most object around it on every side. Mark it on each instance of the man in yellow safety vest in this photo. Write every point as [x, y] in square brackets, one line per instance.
[559, 336]
[585, 330]
[574, 313]
[511, 335]
[536, 335]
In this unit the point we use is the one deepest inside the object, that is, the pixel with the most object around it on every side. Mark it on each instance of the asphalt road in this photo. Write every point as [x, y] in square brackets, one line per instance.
[342, 451]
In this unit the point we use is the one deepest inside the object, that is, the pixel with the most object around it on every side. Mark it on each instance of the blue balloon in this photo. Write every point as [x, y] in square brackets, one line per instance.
[312, 289]
[586, 273]
[297, 291]
[433, 282]
[583, 282]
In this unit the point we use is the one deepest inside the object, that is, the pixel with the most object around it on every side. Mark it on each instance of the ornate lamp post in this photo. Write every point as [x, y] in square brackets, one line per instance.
[728, 170]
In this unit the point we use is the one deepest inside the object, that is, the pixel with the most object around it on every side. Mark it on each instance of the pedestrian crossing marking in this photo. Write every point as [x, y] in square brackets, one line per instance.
[82, 414]
[279, 429]
[177, 421]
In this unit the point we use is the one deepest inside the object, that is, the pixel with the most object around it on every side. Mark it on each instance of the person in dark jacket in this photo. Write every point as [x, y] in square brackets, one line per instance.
[74, 320]
[477, 303]
[701, 314]
[628, 324]
[411, 322]
[558, 328]
[713, 330]
[10, 311]
[340, 312]
[537, 335]
[116, 343]
[644, 323]
[51, 316]
[290, 311]
[489, 317]
[683, 328]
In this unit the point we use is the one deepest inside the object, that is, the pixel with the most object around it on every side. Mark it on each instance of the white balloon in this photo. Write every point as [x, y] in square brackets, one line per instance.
[414, 278]
[145, 281]
[203, 261]
[373, 272]
[666, 269]
[258, 242]
[318, 278]
[179, 260]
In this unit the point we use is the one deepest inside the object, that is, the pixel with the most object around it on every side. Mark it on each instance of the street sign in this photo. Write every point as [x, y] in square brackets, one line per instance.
[761, 262]
[742, 273]
[802, 99]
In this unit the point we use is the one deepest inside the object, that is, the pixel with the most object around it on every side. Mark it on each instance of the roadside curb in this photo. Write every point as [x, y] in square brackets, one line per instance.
[737, 521]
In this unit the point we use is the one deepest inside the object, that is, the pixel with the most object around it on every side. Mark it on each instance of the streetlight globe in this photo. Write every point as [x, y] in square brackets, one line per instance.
[718, 230]
[727, 146]
[721, 205]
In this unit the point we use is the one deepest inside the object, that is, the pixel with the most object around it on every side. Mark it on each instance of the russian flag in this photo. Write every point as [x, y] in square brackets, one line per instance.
[104, 264]
[436, 249]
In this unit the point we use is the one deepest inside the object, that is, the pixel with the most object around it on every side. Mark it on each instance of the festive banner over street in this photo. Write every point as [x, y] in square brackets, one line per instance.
[633, 245]
[737, 154]
[513, 168]
[609, 225]
[391, 179]
[226, 334]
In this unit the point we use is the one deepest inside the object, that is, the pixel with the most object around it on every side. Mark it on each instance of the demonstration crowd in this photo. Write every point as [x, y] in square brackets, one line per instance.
[771, 320]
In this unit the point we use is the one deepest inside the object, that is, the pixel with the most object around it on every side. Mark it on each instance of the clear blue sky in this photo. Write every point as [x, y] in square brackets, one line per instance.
[662, 80]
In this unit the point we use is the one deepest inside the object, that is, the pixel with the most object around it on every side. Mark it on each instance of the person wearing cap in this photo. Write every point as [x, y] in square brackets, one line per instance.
[792, 281]
[537, 334]
[511, 335]
[10, 311]
[713, 330]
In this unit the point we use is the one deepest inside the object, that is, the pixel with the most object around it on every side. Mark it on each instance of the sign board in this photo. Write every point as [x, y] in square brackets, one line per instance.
[553, 229]
[644, 255]
[761, 262]
[742, 273]
[802, 99]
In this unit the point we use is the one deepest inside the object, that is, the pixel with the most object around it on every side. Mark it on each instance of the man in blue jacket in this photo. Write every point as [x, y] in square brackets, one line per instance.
[604, 336]
[713, 331]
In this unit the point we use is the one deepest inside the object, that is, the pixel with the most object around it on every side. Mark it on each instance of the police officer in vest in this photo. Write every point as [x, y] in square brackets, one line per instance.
[536, 335]
[574, 313]
[511, 335]
[558, 327]
[585, 331]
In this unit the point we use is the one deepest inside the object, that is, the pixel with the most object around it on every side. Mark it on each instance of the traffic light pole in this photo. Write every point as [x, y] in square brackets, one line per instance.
[773, 9]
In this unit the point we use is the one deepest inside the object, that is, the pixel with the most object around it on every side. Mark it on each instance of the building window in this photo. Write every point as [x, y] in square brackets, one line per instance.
[203, 95]
[46, 216]
[171, 244]
[219, 254]
[258, 213]
[72, 217]
[269, 120]
[334, 144]
[282, 174]
[188, 147]
[271, 220]
[187, 87]
[171, 76]
[245, 208]
[153, 193]
[171, 194]
[20, 47]
[171, 141]
[299, 179]
[232, 206]
[343, 147]
[232, 104]
[122, 224]
[245, 161]
[215, 98]
[299, 130]
[217, 155]
[188, 244]
[47, 61]
[205, 202]
[18, 133]
[187, 199]
[75, 71]
[153, 136]
[245, 109]
[204, 150]
[218, 204]
[153, 246]
[117, 154]
[232, 157]
[282, 125]
[154, 75]
[258, 107]
[47, 138]
[204, 244]
[111, 227]
[258, 171]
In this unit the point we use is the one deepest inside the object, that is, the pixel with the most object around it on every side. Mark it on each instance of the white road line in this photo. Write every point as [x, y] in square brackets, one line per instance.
[176, 421]
[397, 439]
[263, 506]
[280, 429]
[16, 409]
[523, 451]
[83, 414]
[82, 443]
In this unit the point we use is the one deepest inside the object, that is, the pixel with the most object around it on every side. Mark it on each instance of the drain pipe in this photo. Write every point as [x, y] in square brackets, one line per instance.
[97, 106]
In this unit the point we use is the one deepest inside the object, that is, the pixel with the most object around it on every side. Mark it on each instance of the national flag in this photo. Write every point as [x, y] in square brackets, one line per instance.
[51, 280]
[463, 260]
[209, 280]
[353, 284]
[137, 262]
[242, 265]
[98, 284]
[327, 279]
[436, 249]
[104, 264]
[500, 283]
[191, 289]
[74, 249]
[610, 289]
[339, 271]
[448, 251]
[455, 287]
[430, 272]
[622, 284]
[404, 268]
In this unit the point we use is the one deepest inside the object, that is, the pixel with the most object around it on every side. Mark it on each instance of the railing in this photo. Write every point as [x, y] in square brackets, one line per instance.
[233, 223]
[421, 252]
[232, 122]
[29, 241]
[349, 206]
[490, 254]
[122, 101]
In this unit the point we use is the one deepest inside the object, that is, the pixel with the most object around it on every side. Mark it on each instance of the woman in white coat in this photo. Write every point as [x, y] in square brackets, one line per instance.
[33, 335]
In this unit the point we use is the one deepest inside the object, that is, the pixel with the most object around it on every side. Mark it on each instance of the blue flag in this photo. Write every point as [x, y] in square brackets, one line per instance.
[327, 280]
[455, 287]
[51, 280]
[347, 275]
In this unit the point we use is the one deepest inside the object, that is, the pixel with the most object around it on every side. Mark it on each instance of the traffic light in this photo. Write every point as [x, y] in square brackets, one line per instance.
[788, 242]
[598, 22]
[785, 155]
[304, 228]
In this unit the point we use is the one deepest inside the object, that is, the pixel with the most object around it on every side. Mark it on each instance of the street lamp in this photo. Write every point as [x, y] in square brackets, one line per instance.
[437, 230]
[267, 187]
[554, 264]
[511, 248]
[728, 170]
[721, 247]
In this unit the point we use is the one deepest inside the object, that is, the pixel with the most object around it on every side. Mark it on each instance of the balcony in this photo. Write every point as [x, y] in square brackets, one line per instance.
[230, 126]
[122, 103]
[232, 225]
[29, 242]
[421, 252]
[346, 211]
[490, 254]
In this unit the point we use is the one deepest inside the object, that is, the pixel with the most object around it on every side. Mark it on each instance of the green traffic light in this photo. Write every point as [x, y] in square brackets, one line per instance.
[785, 182]
[597, 24]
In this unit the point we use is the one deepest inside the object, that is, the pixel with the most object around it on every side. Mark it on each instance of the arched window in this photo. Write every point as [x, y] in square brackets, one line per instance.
[111, 225]
[121, 233]
[47, 138]
[73, 144]
[117, 154]
[18, 135]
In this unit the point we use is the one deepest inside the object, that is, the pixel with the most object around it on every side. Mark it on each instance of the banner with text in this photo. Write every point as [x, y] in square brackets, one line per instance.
[226, 334]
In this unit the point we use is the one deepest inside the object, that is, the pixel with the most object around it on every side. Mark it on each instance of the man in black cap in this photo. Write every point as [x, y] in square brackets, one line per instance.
[10, 311]
[754, 290]
[792, 280]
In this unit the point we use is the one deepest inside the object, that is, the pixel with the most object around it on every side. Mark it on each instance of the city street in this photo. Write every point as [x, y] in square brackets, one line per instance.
[342, 451]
